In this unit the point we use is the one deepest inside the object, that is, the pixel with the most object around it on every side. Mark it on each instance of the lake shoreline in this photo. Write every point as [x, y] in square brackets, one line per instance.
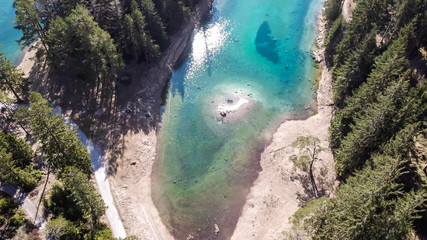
[273, 196]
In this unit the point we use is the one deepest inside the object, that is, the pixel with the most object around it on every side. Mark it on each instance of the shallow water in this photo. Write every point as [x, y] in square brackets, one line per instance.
[258, 50]
[9, 35]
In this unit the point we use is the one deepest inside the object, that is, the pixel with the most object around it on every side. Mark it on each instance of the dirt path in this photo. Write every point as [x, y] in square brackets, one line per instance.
[26, 204]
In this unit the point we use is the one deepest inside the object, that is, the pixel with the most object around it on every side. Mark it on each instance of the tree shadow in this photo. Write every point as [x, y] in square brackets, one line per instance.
[105, 115]
[322, 182]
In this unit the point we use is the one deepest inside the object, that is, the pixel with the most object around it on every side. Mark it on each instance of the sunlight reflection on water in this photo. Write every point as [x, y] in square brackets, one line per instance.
[207, 43]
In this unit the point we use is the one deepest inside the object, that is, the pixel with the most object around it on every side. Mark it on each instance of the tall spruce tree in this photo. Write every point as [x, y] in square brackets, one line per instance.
[154, 23]
[372, 129]
[11, 79]
[139, 37]
[354, 70]
[29, 22]
[79, 44]
[388, 67]
[59, 142]
[84, 195]
[11, 173]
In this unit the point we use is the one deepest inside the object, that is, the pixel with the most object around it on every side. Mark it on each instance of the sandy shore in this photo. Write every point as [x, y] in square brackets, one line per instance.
[27, 61]
[273, 198]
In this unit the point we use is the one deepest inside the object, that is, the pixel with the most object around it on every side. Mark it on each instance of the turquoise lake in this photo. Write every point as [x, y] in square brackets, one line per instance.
[9, 35]
[248, 70]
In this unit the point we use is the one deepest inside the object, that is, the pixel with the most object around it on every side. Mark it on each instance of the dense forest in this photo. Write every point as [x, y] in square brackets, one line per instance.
[89, 42]
[378, 63]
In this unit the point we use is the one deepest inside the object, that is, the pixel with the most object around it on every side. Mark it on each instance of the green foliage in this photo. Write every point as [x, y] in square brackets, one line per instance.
[59, 142]
[379, 122]
[78, 44]
[61, 228]
[7, 205]
[25, 178]
[61, 203]
[333, 9]
[139, 38]
[388, 68]
[333, 31]
[309, 147]
[173, 13]
[366, 206]
[11, 79]
[103, 233]
[20, 150]
[370, 205]
[83, 194]
[17, 220]
[29, 22]
[366, 15]
[354, 70]
[155, 24]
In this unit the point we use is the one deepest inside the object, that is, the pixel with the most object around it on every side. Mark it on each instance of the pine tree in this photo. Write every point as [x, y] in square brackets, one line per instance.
[154, 23]
[11, 79]
[378, 124]
[77, 42]
[371, 205]
[140, 39]
[59, 142]
[333, 10]
[388, 67]
[84, 194]
[20, 150]
[25, 178]
[354, 70]
[366, 15]
[29, 22]
[61, 228]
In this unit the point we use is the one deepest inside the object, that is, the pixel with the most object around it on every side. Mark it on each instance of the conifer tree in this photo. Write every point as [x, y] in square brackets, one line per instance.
[29, 22]
[59, 142]
[366, 15]
[11, 173]
[61, 228]
[388, 67]
[84, 194]
[154, 23]
[11, 79]
[333, 9]
[140, 39]
[77, 42]
[366, 206]
[20, 150]
[354, 70]
[378, 124]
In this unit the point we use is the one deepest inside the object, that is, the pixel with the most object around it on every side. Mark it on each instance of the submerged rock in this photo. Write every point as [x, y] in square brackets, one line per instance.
[216, 229]
[265, 44]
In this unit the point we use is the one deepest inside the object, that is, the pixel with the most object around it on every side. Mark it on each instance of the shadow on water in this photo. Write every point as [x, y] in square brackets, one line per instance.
[266, 44]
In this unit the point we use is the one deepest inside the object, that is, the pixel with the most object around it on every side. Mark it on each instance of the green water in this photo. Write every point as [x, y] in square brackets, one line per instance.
[255, 50]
